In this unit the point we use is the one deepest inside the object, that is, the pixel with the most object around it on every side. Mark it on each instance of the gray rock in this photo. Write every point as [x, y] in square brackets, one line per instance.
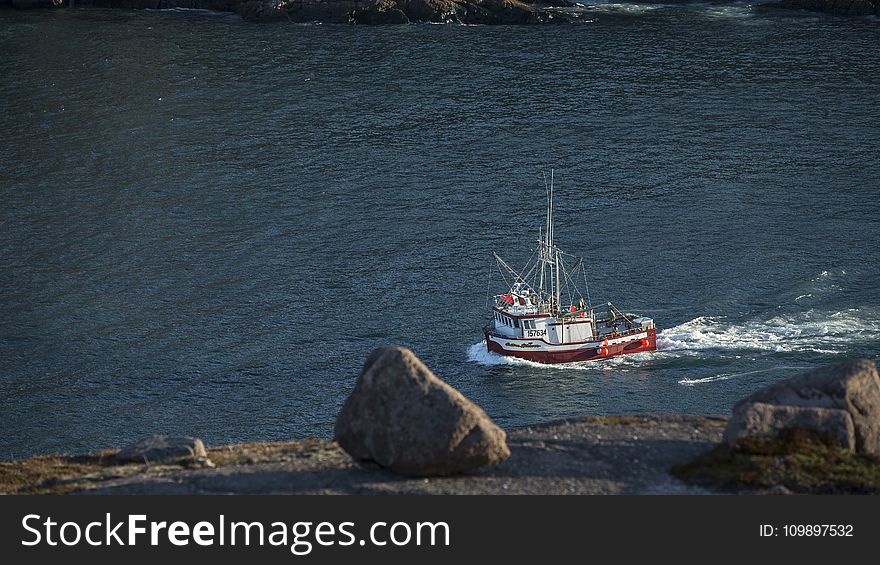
[759, 419]
[852, 386]
[406, 419]
[375, 16]
[263, 10]
[438, 11]
[159, 449]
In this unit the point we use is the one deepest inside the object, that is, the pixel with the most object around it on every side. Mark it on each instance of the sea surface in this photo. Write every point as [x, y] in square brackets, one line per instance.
[206, 225]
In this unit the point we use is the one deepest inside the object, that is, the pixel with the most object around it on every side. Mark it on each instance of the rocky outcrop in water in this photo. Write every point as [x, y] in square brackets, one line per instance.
[407, 420]
[840, 402]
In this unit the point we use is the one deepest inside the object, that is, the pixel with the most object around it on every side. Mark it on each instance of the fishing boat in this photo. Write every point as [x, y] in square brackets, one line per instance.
[546, 316]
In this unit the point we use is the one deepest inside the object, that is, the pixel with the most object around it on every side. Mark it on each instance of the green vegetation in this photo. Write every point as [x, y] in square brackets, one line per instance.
[801, 461]
[53, 473]
[57, 474]
[272, 452]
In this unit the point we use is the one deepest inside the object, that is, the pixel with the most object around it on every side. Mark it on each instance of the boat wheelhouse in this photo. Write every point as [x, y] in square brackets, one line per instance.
[546, 316]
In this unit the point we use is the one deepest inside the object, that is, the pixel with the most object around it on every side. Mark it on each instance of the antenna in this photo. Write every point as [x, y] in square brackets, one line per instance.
[550, 211]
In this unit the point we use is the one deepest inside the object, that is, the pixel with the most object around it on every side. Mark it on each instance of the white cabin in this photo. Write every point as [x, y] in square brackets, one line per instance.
[522, 323]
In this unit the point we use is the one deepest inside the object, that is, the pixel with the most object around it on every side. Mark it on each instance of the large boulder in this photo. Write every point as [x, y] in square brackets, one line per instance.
[494, 12]
[769, 420]
[852, 387]
[263, 10]
[161, 450]
[437, 11]
[378, 13]
[406, 419]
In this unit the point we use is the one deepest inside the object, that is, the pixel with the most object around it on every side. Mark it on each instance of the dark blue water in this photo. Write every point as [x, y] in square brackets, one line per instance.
[206, 225]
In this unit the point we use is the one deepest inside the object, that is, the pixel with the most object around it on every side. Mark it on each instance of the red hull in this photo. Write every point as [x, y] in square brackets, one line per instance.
[575, 355]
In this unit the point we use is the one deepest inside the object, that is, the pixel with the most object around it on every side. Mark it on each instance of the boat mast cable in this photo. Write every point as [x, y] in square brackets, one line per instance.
[489, 285]
[517, 277]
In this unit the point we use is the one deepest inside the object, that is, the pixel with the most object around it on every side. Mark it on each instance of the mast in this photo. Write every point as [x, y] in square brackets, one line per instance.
[550, 213]
[541, 254]
[558, 287]
[552, 251]
[548, 257]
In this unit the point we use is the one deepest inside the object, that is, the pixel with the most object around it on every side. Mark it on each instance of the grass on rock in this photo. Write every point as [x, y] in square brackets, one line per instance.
[800, 461]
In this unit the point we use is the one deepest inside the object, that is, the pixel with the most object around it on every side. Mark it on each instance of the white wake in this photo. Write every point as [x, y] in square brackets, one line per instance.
[809, 331]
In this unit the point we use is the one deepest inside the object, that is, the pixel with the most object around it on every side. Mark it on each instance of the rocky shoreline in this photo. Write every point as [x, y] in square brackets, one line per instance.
[378, 12]
[402, 430]
[592, 455]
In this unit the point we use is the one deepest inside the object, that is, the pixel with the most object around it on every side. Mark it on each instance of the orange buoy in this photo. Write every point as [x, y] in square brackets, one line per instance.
[604, 351]
[604, 342]
[645, 343]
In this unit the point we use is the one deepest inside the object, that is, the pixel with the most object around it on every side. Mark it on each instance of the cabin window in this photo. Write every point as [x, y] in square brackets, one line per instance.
[515, 323]
[528, 324]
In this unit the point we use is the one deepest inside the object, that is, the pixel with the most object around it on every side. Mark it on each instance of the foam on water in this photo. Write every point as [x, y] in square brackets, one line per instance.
[477, 353]
[714, 10]
[728, 12]
[692, 382]
[812, 330]
[614, 8]
[727, 376]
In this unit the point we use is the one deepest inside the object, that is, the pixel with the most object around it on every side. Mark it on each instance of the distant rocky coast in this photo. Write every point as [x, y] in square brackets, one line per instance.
[485, 12]
[374, 12]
